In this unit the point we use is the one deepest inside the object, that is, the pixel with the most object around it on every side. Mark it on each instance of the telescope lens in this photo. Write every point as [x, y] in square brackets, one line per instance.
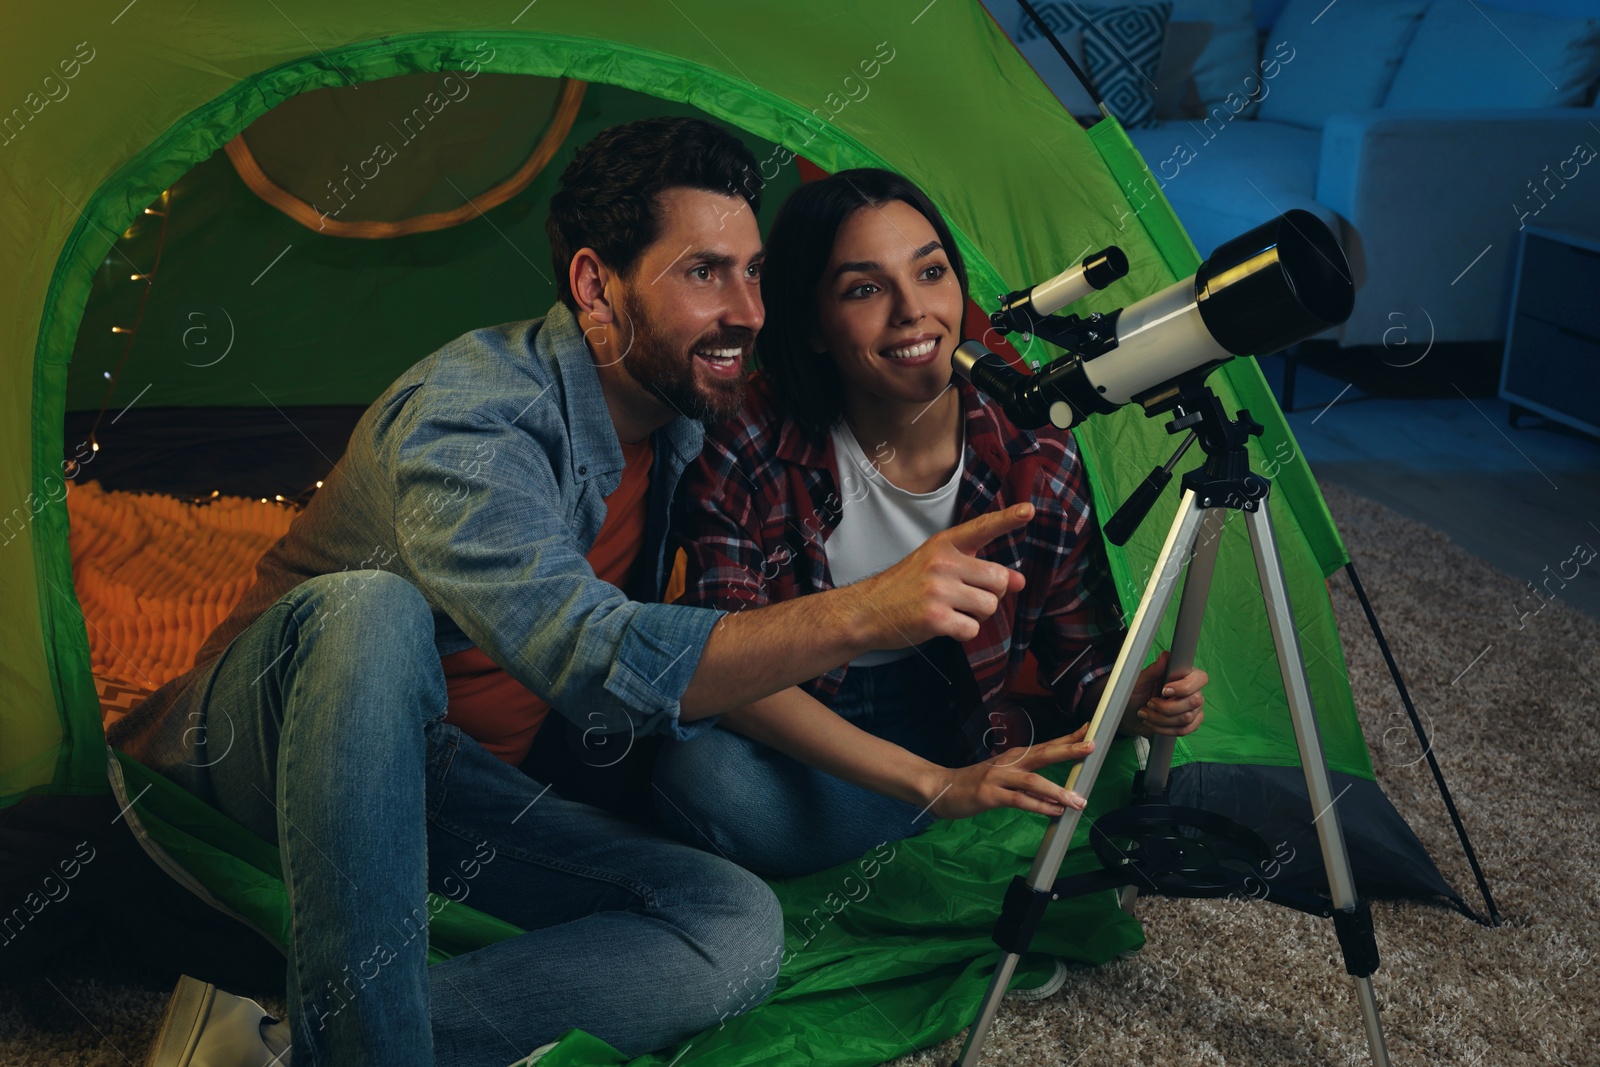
[1316, 269]
[1275, 285]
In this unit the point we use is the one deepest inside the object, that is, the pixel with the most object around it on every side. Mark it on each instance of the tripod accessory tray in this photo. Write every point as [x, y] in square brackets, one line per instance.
[1166, 848]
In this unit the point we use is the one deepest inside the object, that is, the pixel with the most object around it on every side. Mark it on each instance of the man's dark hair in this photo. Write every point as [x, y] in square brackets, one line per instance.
[607, 198]
[806, 384]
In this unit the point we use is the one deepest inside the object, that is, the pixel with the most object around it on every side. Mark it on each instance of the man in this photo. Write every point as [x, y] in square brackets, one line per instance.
[475, 518]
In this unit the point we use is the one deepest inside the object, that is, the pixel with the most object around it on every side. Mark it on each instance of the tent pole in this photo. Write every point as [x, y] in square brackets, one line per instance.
[1077, 71]
[1427, 749]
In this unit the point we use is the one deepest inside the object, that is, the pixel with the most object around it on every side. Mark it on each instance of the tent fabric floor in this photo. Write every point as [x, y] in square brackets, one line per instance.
[1240, 982]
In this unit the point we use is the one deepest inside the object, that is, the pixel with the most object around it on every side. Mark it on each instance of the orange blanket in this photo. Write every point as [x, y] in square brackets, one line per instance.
[154, 575]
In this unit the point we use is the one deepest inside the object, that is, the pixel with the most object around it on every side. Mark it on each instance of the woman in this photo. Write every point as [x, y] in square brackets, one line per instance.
[854, 446]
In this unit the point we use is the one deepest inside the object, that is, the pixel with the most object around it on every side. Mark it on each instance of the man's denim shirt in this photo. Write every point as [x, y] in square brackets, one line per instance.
[480, 476]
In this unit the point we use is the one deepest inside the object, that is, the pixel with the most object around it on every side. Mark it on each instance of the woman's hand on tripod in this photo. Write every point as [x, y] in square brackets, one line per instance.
[1008, 780]
[1162, 705]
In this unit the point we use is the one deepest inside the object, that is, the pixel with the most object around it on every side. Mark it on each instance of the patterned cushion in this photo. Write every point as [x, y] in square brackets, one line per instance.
[1122, 47]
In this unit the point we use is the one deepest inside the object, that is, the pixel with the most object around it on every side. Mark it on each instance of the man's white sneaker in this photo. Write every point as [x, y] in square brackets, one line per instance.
[1051, 987]
[205, 1027]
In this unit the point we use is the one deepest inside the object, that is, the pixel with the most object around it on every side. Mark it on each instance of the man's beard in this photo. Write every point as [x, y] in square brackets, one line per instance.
[669, 373]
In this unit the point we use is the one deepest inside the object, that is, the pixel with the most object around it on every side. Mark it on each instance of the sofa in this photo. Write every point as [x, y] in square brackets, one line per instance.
[1426, 133]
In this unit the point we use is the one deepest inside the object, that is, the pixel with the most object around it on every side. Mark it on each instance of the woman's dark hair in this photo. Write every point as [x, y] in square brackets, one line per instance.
[805, 384]
[607, 197]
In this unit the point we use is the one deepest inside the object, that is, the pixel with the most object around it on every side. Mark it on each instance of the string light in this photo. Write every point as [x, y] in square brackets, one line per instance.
[149, 277]
[292, 503]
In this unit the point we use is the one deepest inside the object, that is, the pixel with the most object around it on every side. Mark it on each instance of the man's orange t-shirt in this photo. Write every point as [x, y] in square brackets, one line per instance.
[494, 708]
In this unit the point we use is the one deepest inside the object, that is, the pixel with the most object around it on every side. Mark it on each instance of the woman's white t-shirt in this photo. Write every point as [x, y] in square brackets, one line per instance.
[880, 524]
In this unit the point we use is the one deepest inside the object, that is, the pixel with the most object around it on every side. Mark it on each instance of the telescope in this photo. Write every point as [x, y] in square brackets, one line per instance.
[1278, 284]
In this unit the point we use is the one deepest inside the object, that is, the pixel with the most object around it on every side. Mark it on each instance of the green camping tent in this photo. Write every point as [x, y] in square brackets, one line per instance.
[103, 117]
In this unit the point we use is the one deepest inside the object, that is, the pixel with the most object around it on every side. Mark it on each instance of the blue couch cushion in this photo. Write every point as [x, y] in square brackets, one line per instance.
[1230, 55]
[1345, 56]
[1471, 56]
[1222, 180]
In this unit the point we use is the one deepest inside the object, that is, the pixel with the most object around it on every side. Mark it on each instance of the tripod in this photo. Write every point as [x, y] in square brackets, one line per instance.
[1187, 851]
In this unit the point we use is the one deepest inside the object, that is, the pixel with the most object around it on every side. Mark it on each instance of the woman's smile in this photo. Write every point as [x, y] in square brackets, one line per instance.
[916, 352]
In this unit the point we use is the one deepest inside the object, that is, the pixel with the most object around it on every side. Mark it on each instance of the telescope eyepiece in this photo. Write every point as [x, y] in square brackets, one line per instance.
[1105, 267]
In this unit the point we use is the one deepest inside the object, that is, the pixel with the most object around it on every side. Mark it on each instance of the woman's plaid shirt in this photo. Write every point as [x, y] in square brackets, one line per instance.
[766, 493]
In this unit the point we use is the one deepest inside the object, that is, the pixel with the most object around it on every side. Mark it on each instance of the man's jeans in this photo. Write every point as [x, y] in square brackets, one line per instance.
[322, 726]
[765, 811]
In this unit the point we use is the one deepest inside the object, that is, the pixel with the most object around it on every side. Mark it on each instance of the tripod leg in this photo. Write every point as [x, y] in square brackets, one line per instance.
[1102, 730]
[1186, 634]
[1185, 637]
[1352, 918]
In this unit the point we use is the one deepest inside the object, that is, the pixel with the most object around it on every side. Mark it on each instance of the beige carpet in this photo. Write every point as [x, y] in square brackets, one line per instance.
[1247, 983]
[1511, 713]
